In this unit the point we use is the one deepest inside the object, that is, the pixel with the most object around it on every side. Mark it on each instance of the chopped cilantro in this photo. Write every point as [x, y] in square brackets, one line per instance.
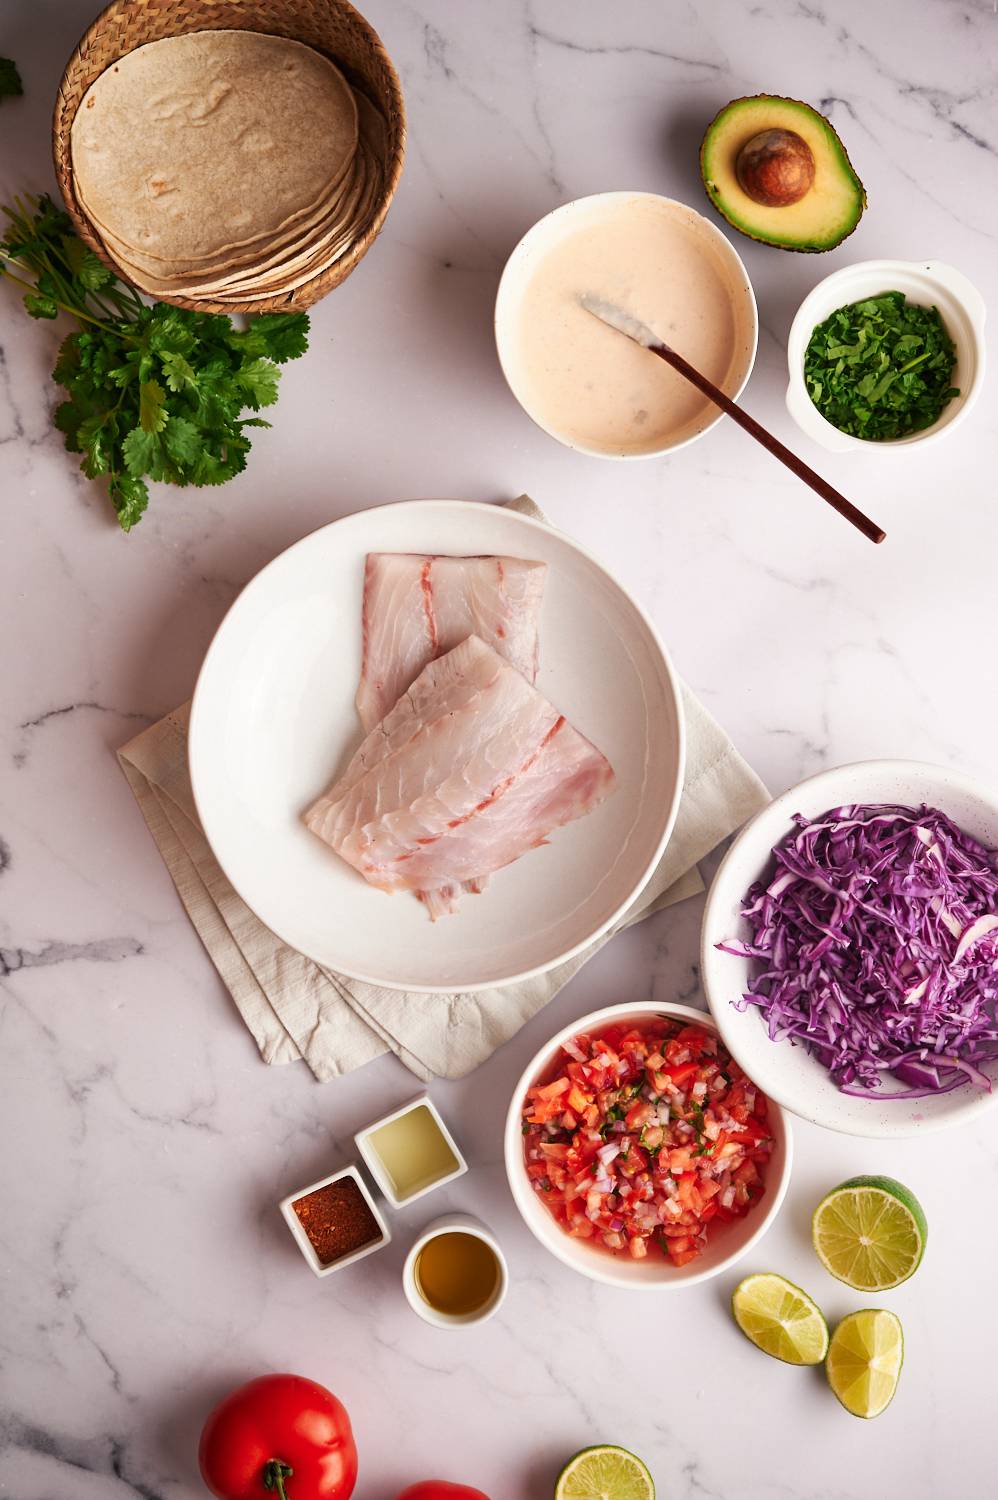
[880, 368]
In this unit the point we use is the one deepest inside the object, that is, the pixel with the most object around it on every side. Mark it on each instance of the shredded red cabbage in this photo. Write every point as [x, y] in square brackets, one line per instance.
[876, 941]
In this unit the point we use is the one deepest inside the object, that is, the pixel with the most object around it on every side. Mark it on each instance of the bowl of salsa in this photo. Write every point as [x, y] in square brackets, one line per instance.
[640, 1153]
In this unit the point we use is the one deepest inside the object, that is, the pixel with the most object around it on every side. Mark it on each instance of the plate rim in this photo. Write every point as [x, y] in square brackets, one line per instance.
[671, 678]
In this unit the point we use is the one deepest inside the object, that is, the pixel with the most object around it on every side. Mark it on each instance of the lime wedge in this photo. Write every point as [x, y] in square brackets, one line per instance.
[604, 1473]
[865, 1359]
[870, 1232]
[780, 1319]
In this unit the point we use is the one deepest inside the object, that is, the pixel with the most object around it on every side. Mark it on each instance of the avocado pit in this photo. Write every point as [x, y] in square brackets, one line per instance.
[775, 168]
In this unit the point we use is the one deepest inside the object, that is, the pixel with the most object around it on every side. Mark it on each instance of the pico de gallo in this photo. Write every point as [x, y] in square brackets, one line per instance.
[645, 1134]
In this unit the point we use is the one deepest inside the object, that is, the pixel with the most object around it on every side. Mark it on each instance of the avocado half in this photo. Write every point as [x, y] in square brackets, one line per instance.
[829, 210]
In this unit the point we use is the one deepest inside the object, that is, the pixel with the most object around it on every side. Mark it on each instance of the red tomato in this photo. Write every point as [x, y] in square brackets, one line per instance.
[439, 1489]
[281, 1435]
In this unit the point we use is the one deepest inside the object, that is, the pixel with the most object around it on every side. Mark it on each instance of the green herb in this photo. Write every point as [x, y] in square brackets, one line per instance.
[10, 79]
[154, 392]
[881, 368]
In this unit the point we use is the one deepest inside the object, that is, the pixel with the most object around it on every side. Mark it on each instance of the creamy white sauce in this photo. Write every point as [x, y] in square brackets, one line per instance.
[585, 381]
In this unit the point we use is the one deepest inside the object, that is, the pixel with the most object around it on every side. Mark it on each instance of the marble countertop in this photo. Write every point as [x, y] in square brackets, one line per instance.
[145, 1267]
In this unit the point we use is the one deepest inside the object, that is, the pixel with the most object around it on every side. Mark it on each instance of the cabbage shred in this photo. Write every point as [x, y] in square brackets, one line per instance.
[875, 945]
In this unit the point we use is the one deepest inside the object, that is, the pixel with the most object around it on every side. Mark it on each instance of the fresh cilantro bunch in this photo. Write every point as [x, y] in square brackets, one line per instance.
[881, 368]
[154, 392]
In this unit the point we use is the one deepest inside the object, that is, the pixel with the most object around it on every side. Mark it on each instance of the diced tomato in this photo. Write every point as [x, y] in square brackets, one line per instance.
[665, 1182]
[639, 1114]
[550, 1090]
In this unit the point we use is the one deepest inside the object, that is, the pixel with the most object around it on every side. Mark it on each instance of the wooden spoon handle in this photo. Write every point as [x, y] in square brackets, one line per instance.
[797, 465]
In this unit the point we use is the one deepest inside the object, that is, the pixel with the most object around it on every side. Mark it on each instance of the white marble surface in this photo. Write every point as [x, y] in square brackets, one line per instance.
[145, 1267]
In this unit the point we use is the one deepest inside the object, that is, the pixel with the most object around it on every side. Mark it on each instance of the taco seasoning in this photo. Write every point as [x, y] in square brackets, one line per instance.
[337, 1220]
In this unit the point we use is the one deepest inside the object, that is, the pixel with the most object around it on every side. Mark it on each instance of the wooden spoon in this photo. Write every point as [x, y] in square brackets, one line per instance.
[632, 328]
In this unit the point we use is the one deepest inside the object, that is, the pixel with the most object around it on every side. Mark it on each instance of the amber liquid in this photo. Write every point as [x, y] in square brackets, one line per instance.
[457, 1273]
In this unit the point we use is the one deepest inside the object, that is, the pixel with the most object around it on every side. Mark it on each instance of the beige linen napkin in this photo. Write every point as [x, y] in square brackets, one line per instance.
[298, 1009]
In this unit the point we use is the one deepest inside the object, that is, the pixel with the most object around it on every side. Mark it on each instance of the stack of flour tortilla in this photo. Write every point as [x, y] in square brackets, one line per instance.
[227, 166]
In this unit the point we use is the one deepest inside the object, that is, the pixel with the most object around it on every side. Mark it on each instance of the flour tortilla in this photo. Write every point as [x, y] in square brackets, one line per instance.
[288, 278]
[195, 145]
[267, 256]
[292, 233]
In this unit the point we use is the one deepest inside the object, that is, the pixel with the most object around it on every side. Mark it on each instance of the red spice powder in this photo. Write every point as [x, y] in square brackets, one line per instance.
[337, 1220]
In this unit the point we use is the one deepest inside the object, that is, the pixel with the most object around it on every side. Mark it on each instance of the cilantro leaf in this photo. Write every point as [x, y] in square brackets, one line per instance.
[10, 79]
[152, 417]
[141, 450]
[41, 306]
[130, 497]
[257, 380]
[285, 335]
[182, 440]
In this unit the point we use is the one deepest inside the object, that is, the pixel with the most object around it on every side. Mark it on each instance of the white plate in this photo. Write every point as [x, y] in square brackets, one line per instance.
[274, 719]
[785, 1072]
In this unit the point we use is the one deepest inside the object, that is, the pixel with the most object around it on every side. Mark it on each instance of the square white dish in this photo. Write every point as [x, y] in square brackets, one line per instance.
[376, 1165]
[305, 1245]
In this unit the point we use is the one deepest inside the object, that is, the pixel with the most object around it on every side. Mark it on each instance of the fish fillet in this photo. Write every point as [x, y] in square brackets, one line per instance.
[418, 607]
[470, 769]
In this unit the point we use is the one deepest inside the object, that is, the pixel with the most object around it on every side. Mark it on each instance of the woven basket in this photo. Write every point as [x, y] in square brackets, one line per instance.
[330, 26]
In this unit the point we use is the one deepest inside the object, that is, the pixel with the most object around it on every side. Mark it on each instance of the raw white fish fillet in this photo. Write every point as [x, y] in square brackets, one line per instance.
[418, 607]
[471, 768]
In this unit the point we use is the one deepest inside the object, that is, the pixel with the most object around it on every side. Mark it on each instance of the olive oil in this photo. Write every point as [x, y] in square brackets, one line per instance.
[413, 1152]
[457, 1273]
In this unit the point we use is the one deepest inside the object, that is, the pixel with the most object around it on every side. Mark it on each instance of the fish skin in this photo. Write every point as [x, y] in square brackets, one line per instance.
[472, 768]
[418, 606]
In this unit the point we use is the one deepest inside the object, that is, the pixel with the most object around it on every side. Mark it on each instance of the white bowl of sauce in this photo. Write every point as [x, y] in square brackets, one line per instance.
[584, 383]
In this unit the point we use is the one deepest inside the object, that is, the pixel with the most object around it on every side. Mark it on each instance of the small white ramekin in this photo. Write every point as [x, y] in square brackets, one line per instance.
[454, 1224]
[558, 225]
[305, 1244]
[927, 282]
[376, 1166]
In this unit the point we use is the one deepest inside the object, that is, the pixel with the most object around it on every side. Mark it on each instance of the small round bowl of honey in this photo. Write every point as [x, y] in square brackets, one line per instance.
[455, 1274]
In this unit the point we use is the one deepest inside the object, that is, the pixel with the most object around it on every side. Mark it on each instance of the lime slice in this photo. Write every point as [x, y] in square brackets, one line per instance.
[604, 1473]
[870, 1232]
[780, 1319]
[865, 1359]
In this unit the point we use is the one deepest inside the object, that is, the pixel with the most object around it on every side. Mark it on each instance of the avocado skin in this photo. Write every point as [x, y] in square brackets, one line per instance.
[717, 198]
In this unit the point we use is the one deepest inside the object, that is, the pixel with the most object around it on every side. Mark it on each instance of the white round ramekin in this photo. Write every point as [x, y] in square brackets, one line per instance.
[930, 283]
[454, 1224]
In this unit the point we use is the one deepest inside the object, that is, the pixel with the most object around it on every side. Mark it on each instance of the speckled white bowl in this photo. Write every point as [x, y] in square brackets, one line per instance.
[726, 1243]
[788, 1073]
[929, 283]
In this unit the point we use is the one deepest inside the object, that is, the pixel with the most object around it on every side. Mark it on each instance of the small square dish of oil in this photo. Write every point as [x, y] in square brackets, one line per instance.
[410, 1152]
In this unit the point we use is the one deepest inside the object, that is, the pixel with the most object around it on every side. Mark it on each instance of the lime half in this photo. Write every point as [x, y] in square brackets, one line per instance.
[604, 1473]
[780, 1319]
[865, 1359]
[870, 1232]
